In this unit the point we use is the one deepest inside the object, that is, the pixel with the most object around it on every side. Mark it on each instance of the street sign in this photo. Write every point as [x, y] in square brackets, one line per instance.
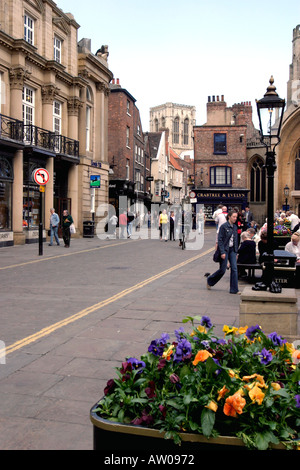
[95, 181]
[192, 194]
[42, 189]
[41, 176]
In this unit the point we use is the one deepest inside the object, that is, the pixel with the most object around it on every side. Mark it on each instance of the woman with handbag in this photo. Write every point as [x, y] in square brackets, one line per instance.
[228, 247]
[67, 221]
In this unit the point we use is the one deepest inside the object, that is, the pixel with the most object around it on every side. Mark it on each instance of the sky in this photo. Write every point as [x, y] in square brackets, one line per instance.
[184, 51]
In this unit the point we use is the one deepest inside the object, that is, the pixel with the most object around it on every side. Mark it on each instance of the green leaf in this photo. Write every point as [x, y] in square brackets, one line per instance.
[263, 439]
[207, 421]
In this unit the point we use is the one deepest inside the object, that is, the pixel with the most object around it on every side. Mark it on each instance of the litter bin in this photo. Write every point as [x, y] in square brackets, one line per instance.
[88, 229]
[285, 268]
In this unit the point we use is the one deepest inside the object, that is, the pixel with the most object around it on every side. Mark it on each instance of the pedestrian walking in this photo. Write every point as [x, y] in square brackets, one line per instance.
[123, 220]
[66, 222]
[228, 245]
[163, 221]
[54, 221]
[201, 221]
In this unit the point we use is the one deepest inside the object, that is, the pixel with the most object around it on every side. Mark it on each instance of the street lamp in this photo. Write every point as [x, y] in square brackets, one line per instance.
[286, 191]
[270, 110]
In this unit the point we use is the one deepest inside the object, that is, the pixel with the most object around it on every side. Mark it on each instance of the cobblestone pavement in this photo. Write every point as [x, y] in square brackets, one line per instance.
[69, 317]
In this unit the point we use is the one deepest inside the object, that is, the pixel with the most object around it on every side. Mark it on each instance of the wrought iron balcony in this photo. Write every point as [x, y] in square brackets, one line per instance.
[38, 137]
[13, 130]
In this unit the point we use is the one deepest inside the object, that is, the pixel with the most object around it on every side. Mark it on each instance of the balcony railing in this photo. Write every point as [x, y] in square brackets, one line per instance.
[38, 137]
[11, 129]
[28, 134]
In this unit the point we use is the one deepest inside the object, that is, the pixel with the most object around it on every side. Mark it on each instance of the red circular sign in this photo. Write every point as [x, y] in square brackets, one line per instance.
[41, 176]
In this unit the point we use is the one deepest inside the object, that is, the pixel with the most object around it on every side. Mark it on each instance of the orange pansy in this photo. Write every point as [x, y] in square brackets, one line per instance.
[201, 356]
[234, 405]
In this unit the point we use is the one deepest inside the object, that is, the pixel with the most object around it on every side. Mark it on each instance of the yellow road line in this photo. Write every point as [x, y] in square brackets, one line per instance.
[83, 313]
[61, 256]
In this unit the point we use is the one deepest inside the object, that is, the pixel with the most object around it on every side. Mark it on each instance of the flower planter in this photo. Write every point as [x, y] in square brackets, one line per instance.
[112, 436]
[203, 392]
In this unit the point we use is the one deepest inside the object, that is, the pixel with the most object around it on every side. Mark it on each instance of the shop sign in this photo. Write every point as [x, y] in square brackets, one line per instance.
[95, 181]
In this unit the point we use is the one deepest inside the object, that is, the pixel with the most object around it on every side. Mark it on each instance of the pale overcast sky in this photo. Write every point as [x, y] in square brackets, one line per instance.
[185, 51]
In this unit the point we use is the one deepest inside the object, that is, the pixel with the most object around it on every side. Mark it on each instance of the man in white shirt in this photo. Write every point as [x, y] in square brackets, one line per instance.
[294, 245]
[293, 218]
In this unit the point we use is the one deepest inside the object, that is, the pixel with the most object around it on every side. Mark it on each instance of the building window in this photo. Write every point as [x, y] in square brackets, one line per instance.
[88, 128]
[6, 178]
[57, 123]
[155, 125]
[2, 96]
[297, 171]
[28, 113]
[186, 132]
[258, 181]
[176, 131]
[220, 145]
[137, 180]
[127, 136]
[127, 169]
[220, 176]
[57, 49]
[128, 108]
[28, 29]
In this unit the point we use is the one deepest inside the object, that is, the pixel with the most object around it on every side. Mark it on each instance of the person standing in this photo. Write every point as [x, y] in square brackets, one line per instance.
[54, 221]
[228, 245]
[163, 220]
[248, 217]
[66, 222]
[172, 226]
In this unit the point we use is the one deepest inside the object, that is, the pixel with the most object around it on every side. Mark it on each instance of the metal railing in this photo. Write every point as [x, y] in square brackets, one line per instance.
[28, 134]
[10, 128]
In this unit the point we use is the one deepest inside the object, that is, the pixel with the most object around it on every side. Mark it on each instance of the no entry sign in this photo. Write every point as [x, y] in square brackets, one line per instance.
[41, 176]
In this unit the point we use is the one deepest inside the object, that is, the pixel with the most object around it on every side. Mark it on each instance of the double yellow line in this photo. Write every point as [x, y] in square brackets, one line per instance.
[83, 313]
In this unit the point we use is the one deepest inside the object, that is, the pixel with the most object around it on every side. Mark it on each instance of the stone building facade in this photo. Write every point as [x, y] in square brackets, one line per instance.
[288, 151]
[46, 89]
[179, 119]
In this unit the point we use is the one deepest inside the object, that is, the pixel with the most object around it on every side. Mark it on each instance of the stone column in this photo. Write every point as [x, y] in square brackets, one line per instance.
[19, 235]
[17, 75]
[74, 104]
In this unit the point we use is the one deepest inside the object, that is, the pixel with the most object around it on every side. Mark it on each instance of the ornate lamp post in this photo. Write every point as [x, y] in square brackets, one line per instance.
[270, 110]
[286, 191]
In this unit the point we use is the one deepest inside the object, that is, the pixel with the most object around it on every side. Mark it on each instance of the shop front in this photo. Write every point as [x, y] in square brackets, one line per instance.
[211, 198]
[6, 182]
[31, 200]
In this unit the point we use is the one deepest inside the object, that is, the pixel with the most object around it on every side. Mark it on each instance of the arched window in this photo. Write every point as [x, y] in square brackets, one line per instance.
[155, 125]
[297, 170]
[186, 132]
[176, 131]
[258, 181]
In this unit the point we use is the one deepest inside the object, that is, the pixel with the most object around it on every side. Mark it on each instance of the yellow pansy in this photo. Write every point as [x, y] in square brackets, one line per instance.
[212, 406]
[256, 394]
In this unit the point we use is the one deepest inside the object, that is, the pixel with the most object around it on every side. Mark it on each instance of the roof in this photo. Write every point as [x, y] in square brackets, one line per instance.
[175, 160]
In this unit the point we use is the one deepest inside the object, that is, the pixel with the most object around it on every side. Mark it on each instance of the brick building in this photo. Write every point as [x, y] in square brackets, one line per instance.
[220, 155]
[129, 162]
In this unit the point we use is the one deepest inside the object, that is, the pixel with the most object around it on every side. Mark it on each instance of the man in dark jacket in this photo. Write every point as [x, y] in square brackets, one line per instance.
[228, 245]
